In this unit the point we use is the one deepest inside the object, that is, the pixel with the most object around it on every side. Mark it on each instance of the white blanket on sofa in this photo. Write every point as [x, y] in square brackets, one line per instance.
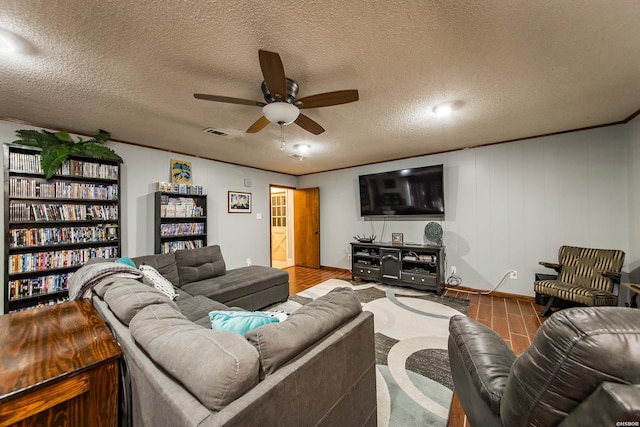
[82, 281]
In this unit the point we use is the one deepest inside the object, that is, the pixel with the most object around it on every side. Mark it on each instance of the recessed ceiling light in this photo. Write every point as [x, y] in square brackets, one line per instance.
[6, 44]
[443, 109]
[303, 148]
[12, 43]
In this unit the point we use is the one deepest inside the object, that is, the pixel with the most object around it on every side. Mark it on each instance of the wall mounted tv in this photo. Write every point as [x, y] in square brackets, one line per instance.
[405, 193]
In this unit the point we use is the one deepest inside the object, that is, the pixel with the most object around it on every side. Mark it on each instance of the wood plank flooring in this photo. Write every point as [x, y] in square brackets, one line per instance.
[515, 320]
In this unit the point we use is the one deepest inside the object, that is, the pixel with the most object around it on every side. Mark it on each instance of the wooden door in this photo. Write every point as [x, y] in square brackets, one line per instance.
[279, 226]
[306, 219]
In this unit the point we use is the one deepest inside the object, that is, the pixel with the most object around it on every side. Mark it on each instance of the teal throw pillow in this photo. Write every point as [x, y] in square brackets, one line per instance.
[239, 321]
[126, 261]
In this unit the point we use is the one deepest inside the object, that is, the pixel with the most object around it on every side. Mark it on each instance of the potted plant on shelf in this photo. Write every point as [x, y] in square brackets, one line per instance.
[57, 146]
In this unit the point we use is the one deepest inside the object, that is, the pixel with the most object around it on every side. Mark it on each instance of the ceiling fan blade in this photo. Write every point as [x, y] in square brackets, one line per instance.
[258, 125]
[326, 99]
[309, 125]
[228, 99]
[273, 72]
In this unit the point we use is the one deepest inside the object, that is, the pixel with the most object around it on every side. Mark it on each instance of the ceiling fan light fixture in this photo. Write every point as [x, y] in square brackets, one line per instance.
[281, 113]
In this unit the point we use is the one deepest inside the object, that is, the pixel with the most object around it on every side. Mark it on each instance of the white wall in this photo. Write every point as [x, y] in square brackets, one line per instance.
[633, 132]
[240, 236]
[508, 206]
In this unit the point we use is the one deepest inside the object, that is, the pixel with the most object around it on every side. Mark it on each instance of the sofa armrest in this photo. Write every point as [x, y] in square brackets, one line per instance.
[609, 405]
[552, 265]
[484, 356]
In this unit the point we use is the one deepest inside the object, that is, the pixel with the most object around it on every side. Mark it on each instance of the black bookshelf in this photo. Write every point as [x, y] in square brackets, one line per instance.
[180, 221]
[53, 227]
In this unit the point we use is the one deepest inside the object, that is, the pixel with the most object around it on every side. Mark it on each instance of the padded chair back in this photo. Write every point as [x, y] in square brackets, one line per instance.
[581, 266]
[572, 353]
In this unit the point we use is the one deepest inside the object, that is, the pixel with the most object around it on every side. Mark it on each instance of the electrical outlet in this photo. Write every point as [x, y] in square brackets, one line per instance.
[349, 257]
[248, 261]
[513, 274]
[453, 269]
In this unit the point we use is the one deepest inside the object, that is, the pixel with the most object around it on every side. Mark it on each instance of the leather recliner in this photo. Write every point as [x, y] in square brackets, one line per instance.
[583, 368]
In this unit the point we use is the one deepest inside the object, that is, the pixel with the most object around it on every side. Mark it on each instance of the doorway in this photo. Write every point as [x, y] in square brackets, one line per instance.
[295, 227]
[282, 229]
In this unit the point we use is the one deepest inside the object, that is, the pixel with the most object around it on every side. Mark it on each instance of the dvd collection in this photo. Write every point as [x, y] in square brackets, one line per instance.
[177, 245]
[36, 261]
[19, 211]
[179, 207]
[170, 187]
[22, 237]
[182, 229]
[29, 187]
[30, 163]
[33, 286]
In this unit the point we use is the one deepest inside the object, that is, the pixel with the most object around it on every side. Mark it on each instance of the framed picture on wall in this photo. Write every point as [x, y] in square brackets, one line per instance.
[180, 172]
[396, 238]
[239, 202]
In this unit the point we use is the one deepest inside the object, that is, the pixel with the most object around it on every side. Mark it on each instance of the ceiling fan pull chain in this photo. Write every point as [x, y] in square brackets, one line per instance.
[282, 137]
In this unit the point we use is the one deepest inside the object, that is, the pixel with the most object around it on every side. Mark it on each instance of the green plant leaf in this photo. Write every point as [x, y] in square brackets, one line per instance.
[57, 146]
[52, 157]
[36, 138]
[102, 136]
[99, 151]
[63, 136]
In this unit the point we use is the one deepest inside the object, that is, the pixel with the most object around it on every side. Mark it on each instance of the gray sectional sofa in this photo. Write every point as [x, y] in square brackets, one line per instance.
[203, 272]
[317, 367]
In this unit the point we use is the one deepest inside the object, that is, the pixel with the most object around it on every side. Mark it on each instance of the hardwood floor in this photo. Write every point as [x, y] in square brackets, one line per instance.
[515, 320]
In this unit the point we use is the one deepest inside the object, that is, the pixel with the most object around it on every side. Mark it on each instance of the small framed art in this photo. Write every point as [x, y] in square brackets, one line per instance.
[239, 202]
[180, 172]
[396, 238]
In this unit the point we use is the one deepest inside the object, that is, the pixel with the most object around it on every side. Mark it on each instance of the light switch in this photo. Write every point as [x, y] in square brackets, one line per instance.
[258, 216]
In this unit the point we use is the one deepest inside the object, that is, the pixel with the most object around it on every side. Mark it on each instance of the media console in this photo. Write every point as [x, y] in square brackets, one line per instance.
[416, 266]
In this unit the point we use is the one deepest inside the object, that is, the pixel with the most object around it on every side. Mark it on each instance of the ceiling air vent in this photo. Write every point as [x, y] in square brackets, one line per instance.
[296, 156]
[213, 131]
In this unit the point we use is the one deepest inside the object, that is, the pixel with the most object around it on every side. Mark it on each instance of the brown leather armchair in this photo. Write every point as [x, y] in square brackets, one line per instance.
[583, 368]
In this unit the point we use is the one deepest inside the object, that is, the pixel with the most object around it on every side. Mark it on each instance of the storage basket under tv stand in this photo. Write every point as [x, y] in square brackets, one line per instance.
[412, 265]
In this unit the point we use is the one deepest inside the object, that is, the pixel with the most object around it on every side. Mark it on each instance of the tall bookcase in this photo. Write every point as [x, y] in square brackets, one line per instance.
[180, 221]
[53, 227]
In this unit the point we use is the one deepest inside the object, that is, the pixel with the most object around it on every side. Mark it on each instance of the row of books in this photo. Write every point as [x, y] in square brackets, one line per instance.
[34, 286]
[19, 211]
[179, 207]
[170, 187]
[41, 261]
[186, 228]
[167, 247]
[29, 187]
[24, 237]
[30, 163]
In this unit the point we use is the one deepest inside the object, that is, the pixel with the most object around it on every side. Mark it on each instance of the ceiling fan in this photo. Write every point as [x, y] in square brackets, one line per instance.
[282, 106]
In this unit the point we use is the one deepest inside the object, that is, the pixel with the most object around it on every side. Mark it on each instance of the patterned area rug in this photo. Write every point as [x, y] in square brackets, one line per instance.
[414, 384]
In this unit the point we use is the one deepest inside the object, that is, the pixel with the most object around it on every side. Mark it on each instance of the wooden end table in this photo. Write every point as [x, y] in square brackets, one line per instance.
[58, 366]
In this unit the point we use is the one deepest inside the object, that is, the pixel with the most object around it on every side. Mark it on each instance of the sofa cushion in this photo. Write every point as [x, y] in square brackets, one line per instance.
[164, 263]
[197, 307]
[280, 342]
[127, 298]
[217, 367]
[238, 282]
[151, 277]
[199, 264]
[126, 261]
[239, 322]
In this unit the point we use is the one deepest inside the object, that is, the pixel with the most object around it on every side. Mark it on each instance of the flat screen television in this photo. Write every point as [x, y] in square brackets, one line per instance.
[416, 192]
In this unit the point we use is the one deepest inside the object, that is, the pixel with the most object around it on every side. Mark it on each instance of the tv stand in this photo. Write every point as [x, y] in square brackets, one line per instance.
[412, 265]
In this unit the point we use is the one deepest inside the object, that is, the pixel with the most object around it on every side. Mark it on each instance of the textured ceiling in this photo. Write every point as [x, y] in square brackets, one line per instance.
[515, 69]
